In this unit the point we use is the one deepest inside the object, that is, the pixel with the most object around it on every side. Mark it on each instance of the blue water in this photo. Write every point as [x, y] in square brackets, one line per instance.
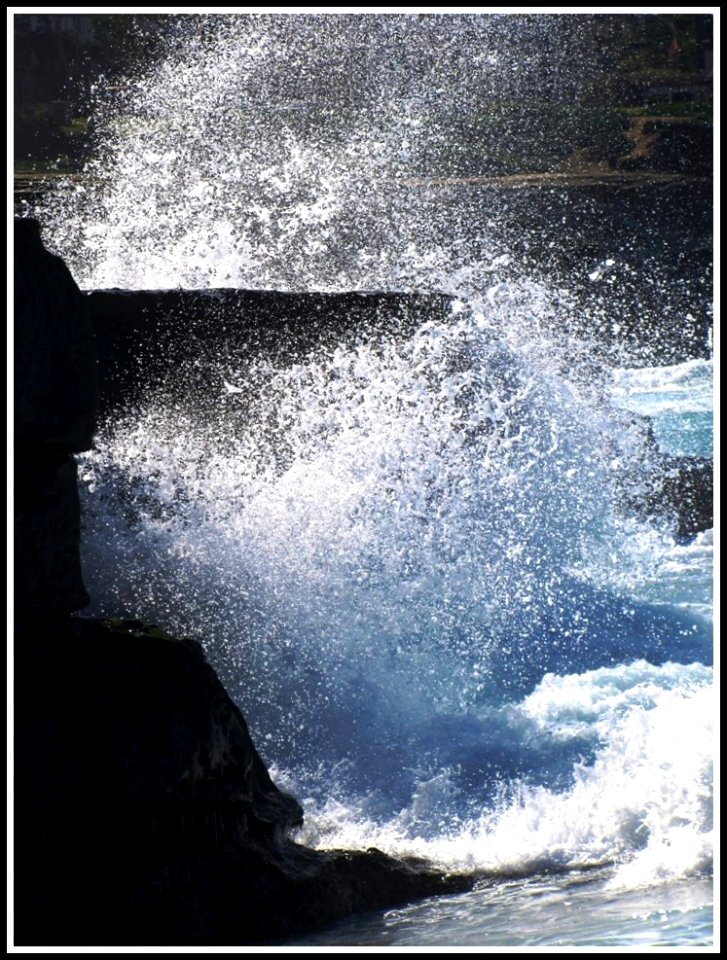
[575, 910]
[409, 558]
[679, 401]
[639, 900]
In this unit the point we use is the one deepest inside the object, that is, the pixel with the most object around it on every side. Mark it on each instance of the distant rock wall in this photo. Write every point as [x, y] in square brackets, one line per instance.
[684, 487]
[145, 338]
[651, 307]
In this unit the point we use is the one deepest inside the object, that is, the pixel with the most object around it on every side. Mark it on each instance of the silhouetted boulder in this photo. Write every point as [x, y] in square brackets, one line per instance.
[685, 486]
[677, 489]
[144, 814]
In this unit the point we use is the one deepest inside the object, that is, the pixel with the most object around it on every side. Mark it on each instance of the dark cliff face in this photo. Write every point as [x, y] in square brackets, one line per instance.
[150, 728]
[144, 814]
[54, 356]
[55, 405]
[131, 761]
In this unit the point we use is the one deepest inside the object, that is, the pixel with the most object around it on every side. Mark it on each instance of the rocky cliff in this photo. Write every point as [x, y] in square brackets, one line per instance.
[144, 814]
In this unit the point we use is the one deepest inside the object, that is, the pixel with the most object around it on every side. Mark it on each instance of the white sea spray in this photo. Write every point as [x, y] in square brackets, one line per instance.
[406, 557]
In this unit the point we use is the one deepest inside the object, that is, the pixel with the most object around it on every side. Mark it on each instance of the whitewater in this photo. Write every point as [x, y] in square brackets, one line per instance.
[408, 557]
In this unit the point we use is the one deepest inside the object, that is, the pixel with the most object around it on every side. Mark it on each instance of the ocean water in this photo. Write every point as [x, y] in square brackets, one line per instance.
[573, 910]
[615, 860]
[408, 556]
[677, 399]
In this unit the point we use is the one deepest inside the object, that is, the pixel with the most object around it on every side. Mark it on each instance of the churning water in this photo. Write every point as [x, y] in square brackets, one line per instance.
[407, 556]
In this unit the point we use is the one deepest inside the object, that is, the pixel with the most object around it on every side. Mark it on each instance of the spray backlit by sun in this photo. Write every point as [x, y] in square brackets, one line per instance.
[289, 157]
[400, 552]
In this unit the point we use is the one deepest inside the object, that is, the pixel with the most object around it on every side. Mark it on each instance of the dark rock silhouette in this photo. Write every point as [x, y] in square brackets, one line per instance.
[671, 488]
[685, 487]
[144, 814]
[55, 410]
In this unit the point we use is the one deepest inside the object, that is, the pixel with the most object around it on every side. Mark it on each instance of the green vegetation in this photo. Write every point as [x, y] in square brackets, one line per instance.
[78, 127]
[633, 66]
[692, 110]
